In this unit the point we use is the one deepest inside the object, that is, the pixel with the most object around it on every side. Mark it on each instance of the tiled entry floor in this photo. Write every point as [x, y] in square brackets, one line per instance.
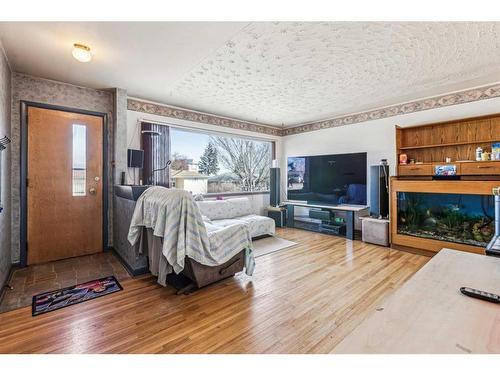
[59, 274]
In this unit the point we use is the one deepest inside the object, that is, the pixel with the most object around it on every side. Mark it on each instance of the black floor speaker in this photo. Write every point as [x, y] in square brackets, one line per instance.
[379, 191]
[275, 187]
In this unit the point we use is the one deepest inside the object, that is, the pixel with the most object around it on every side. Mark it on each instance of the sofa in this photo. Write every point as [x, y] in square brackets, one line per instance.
[223, 213]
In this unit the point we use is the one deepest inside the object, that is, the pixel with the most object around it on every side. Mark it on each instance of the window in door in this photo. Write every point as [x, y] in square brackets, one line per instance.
[79, 160]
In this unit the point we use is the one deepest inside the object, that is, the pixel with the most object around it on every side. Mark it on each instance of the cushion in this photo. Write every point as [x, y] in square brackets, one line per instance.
[214, 210]
[225, 209]
[239, 207]
[258, 225]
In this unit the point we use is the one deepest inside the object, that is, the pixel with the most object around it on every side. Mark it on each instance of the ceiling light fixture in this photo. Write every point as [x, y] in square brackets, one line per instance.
[81, 52]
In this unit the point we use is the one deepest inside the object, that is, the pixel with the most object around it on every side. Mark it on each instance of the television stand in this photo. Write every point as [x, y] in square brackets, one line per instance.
[349, 209]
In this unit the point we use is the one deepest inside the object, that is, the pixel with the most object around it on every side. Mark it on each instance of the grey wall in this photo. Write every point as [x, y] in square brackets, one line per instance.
[5, 215]
[25, 87]
[120, 133]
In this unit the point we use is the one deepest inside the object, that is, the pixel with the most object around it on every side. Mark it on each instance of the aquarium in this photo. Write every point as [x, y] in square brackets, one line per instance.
[459, 218]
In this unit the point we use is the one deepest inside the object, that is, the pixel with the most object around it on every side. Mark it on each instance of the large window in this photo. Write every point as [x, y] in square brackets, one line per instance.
[212, 163]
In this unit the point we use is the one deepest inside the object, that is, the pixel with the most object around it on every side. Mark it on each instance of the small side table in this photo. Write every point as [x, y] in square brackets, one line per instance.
[278, 214]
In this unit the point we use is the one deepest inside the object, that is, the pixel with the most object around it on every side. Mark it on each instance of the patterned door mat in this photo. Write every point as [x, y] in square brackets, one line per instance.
[57, 299]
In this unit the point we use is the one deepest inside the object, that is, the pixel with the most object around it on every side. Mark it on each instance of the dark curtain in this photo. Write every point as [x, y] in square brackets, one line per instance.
[156, 154]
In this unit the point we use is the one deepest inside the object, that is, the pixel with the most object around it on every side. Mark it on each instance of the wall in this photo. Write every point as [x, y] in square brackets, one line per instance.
[40, 90]
[259, 201]
[5, 215]
[376, 138]
[120, 132]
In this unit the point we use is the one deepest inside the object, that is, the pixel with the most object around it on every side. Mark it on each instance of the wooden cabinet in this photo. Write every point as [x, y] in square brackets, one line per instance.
[429, 146]
[458, 140]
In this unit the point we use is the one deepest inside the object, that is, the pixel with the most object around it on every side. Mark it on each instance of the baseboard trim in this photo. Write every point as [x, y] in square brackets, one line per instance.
[131, 271]
[13, 267]
[413, 250]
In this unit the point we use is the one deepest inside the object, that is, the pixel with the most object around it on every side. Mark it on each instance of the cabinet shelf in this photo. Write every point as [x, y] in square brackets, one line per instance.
[449, 144]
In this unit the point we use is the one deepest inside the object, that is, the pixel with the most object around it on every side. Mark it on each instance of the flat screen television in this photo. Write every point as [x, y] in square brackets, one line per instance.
[328, 179]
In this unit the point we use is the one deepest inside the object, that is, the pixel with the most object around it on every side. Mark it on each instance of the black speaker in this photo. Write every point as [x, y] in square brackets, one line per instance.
[275, 187]
[135, 158]
[379, 191]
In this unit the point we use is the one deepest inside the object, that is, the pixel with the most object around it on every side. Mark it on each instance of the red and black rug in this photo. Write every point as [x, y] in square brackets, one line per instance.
[57, 299]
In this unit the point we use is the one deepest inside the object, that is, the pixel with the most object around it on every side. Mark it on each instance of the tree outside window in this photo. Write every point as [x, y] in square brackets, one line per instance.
[204, 163]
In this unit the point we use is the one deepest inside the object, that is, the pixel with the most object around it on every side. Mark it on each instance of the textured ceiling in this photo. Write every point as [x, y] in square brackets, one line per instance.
[293, 73]
[273, 73]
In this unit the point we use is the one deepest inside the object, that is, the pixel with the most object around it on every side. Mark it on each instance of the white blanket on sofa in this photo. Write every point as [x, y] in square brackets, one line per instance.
[173, 215]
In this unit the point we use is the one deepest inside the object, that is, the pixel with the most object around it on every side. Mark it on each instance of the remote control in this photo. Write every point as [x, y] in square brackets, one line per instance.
[485, 296]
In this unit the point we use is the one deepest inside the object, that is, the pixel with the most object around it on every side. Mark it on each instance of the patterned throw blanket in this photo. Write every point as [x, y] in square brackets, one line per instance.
[173, 215]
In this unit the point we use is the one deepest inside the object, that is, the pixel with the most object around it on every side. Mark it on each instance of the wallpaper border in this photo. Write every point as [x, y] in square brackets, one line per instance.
[445, 100]
[458, 97]
[138, 105]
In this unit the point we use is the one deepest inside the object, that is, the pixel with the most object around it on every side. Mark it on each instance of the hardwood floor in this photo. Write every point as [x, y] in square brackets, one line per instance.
[304, 299]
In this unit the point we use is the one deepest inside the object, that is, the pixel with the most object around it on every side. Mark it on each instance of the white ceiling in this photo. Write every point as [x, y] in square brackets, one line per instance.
[273, 73]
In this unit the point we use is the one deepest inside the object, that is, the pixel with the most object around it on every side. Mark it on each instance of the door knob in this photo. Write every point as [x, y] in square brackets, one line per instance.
[92, 191]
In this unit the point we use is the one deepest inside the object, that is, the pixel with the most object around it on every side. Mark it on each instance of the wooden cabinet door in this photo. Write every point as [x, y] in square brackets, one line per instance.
[416, 170]
[481, 168]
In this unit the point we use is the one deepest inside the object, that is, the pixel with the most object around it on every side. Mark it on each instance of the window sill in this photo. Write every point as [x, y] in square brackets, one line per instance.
[232, 194]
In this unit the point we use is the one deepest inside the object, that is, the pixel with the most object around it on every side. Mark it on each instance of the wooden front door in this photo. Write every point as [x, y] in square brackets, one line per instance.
[64, 186]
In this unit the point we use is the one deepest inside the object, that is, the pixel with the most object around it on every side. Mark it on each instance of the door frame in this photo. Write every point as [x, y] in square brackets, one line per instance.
[24, 172]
